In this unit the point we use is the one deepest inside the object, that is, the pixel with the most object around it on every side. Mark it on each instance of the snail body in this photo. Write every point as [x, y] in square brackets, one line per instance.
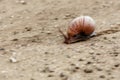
[81, 28]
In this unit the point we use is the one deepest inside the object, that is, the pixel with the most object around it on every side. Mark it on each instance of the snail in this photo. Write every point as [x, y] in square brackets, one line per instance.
[80, 29]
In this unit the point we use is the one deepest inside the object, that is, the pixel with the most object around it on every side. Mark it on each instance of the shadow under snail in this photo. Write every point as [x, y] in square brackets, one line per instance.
[80, 29]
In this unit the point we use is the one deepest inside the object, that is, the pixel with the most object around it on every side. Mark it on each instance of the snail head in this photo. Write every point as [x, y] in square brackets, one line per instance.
[72, 39]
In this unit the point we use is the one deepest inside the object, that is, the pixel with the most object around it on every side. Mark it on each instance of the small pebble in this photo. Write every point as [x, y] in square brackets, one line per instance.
[98, 54]
[74, 70]
[105, 38]
[15, 32]
[23, 2]
[72, 64]
[32, 79]
[4, 72]
[89, 62]
[55, 18]
[13, 60]
[116, 65]
[88, 70]
[102, 76]
[47, 70]
[114, 37]
[80, 60]
[46, 52]
[67, 15]
[28, 28]
[12, 16]
[48, 32]
[15, 39]
[99, 69]
[77, 67]
[1, 49]
[62, 75]
[91, 53]
[50, 75]
[68, 56]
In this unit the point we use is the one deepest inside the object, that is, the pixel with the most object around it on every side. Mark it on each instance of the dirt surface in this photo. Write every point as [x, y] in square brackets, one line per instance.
[31, 47]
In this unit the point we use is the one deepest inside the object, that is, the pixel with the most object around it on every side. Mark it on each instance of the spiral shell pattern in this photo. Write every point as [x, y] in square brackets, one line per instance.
[81, 25]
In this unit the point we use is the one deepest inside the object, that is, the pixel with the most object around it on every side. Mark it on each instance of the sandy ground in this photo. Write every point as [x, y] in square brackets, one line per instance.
[29, 34]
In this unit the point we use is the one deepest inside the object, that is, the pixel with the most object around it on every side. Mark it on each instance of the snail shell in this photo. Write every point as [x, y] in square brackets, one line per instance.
[81, 28]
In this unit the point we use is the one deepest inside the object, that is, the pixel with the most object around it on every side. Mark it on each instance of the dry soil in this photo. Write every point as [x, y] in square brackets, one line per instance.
[31, 47]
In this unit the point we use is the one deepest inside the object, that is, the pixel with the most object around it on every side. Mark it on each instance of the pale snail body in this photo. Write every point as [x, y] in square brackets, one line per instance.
[81, 28]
